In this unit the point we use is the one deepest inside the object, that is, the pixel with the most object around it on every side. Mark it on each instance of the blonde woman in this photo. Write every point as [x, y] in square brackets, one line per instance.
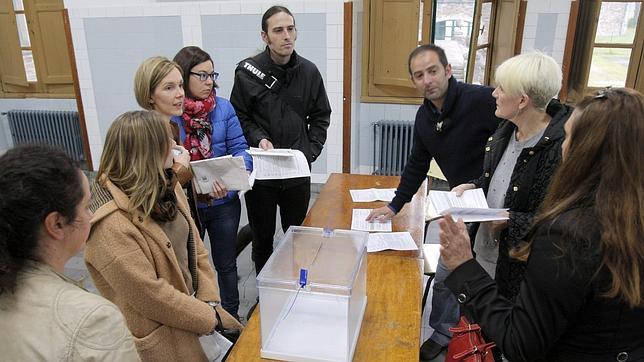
[158, 86]
[521, 157]
[144, 252]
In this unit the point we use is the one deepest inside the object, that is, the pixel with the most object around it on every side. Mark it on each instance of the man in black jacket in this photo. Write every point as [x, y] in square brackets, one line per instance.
[452, 126]
[281, 102]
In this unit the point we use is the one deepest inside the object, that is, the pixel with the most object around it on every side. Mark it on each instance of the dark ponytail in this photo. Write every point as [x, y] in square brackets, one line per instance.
[34, 182]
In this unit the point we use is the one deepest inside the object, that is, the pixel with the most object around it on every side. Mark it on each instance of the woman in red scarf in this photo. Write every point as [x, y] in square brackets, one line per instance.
[209, 128]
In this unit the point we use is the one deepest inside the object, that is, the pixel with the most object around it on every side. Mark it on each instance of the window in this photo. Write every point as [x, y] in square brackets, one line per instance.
[464, 28]
[34, 59]
[607, 47]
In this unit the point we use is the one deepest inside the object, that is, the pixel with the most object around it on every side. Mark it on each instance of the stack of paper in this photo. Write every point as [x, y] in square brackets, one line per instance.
[279, 163]
[471, 206]
[373, 194]
[392, 241]
[231, 170]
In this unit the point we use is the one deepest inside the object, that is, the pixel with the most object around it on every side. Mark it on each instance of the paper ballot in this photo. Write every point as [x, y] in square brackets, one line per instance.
[358, 222]
[231, 170]
[471, 206]
[392, 241]
[280, 163]
[373, 194]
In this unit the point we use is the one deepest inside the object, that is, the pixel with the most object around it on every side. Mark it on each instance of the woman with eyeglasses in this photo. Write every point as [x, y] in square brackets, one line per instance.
[209, 128]
[582, 298]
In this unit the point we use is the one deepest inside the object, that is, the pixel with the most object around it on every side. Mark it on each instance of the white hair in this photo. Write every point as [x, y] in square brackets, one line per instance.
[534, 74]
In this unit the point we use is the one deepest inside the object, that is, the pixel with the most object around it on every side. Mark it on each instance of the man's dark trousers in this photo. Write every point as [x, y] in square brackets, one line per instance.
[262, 202]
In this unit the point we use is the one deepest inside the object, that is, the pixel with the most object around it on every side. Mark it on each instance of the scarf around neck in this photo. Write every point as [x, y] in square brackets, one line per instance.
[196, 123]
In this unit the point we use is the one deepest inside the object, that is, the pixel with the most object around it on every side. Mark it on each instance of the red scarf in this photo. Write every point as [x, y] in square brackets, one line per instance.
[196, 123]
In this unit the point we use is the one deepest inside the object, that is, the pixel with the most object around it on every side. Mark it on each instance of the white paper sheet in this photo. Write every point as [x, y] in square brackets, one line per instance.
[279, 164]
[391, 241]
[358, 222]
[373, 194]
[231, 170]
[471, 206]
[431, 254]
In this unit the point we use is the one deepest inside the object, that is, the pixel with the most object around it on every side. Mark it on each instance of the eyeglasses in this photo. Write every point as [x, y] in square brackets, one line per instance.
[203, 76]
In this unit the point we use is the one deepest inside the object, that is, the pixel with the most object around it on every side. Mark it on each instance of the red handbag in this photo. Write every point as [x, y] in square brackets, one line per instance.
[467, 344]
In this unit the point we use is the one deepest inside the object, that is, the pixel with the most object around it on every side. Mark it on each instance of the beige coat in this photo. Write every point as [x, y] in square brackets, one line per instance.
[132, 263]
[48, 318]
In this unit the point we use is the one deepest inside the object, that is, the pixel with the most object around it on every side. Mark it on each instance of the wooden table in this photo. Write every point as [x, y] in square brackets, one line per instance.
[391, 323]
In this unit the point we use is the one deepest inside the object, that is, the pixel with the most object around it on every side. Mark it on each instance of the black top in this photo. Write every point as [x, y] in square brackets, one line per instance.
[457, 145]
[294, 115]
[528, 186]
[559, 314]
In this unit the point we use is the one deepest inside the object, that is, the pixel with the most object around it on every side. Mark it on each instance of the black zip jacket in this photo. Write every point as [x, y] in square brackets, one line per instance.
[293, 115]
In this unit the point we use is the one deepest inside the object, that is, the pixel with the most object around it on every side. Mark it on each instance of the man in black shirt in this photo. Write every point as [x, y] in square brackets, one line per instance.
[281, 102]
[452, 126]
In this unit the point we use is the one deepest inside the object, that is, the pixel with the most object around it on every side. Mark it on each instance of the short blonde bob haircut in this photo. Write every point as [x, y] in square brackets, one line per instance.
[534, 74]
[136, 146]
[148, 76]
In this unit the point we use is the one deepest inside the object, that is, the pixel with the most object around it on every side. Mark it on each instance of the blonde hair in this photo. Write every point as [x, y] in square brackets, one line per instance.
[136, 146]
[148, 76]
[534, 74]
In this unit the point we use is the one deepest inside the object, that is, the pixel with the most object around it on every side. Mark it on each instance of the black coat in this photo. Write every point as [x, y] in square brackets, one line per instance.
[467, 122]
[295, 116]
[528, 186]
[559, 313]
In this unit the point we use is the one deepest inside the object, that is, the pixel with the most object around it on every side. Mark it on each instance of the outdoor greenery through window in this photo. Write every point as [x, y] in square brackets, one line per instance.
[613, 44]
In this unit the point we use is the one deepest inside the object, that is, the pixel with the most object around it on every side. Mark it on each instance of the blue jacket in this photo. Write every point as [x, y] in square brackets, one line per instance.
[227, 139]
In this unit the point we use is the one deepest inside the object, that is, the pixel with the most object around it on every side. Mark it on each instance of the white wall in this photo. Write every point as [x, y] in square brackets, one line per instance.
[191, 13]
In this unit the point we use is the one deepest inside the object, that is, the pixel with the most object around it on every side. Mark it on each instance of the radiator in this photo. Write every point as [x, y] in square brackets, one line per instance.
[56, 128]
[391, 146]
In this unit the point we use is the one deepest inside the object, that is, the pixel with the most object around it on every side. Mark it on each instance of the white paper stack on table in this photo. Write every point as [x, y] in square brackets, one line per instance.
[231, 170]
[279, 163]
[392, 241]
[471, 206]
[373, 194]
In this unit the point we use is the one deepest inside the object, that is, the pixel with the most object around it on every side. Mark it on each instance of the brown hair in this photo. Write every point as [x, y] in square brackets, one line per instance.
[187, 58]
[603, 170]
[133, 157]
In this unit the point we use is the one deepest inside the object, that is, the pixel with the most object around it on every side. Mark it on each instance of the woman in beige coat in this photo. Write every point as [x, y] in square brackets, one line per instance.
[44, 221]
[144, 252]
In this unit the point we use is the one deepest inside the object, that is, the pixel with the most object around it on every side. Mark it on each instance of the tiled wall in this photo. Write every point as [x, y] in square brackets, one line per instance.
[546, 24]
[110, 42]
[231, 28]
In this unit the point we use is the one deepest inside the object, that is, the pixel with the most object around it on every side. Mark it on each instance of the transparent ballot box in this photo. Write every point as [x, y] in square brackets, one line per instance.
[313, 294]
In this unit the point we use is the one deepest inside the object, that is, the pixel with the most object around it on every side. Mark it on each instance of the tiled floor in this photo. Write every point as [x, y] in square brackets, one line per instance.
[76, 269]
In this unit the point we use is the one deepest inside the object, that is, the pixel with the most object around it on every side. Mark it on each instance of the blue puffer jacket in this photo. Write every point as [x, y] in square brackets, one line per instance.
[227, 139]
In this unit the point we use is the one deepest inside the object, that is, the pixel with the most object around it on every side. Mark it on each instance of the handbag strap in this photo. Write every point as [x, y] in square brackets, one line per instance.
[483, 348]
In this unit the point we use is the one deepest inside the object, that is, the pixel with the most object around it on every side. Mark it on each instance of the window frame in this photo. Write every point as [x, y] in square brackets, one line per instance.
[372, 93]
[584, 44]
[53, 74]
